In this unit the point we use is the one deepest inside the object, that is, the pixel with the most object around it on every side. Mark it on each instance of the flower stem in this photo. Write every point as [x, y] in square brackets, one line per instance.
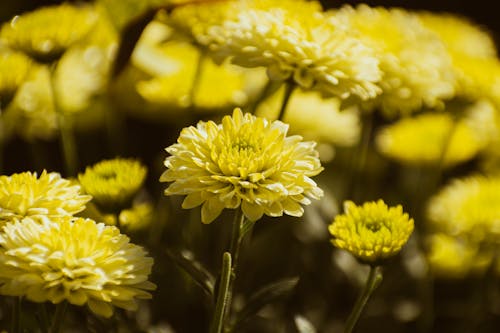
[289, 87]
[67, 138]
[59, 317]
[374, 279]
[16, 315]
[43, 317]
[223, 295]
[197, 77]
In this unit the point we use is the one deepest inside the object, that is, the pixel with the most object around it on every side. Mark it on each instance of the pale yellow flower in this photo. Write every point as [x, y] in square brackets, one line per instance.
[423, 139]
[14, 68]
[469, 207]
[113, 183]
[298, 42]
[25, 194]
[315, 118]
[451, 257]
[371, 232]
[244, 162]
[417, 70]
[75, 259]
[174, 74]
[46, 33]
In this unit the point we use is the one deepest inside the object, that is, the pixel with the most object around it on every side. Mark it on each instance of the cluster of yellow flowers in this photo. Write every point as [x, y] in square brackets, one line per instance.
[48, 254]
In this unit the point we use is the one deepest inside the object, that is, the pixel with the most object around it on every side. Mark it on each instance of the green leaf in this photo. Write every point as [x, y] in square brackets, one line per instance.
[200, 275]
[264, 296]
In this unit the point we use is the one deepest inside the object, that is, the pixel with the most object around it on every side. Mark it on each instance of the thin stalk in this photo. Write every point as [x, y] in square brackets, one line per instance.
[374, 279]
[236, 238]
[197, 77]
[2, 139]
[360, 156]
[58, 319]
[223, 295]
[16, 315]
[68, 144]
[289, 87]
[43, 317]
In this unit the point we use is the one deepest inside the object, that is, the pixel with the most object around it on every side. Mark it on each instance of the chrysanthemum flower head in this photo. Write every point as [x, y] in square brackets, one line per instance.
[75, 259]
[371, 232]
[113, 183]
[298, 42]
[244, 162]
[417, 69]
[14, 68]
[469, 207]
[422, 139]
[26, 194]
[46, 33]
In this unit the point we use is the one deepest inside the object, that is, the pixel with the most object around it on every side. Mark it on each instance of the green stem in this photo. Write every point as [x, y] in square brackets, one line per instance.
[374, 279]
[289, 87]
[58, 319]
[236, 238]
[68, 144]
[223, 295]
[16, 315]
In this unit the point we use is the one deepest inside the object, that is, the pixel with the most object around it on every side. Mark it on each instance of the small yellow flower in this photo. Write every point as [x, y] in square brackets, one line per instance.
[422, 140]
[113, 183]
[469, 207]
[26, 195]
[417, 69]
[46, 33]
[298, 42]
[244, 162]
[75, 259]
[14, 68]
[371, 232]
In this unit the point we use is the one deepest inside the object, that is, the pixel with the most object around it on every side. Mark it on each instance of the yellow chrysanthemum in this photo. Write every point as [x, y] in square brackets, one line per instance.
[417, 69]
[25, 194]
[469, 207]
[423, 138]
[244, 162]
[113, 183]
[298, 42]
[46, 33]
[315, 118]
[14, 68]
[77, 260]
[451, 257]
[371, 232]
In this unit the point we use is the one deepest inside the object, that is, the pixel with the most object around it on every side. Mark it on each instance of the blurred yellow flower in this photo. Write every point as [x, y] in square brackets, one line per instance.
[14, 68]
[297, 42]
[31, 113]
[25, 194]
[315, 118]
[469, 207]
[113, 183]
[217, 87]
[244, 162]
[422, 139]
[46, 33]
[417, 70]
[451, 257]
[460, 35]
[77, 260]
[371, 232]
